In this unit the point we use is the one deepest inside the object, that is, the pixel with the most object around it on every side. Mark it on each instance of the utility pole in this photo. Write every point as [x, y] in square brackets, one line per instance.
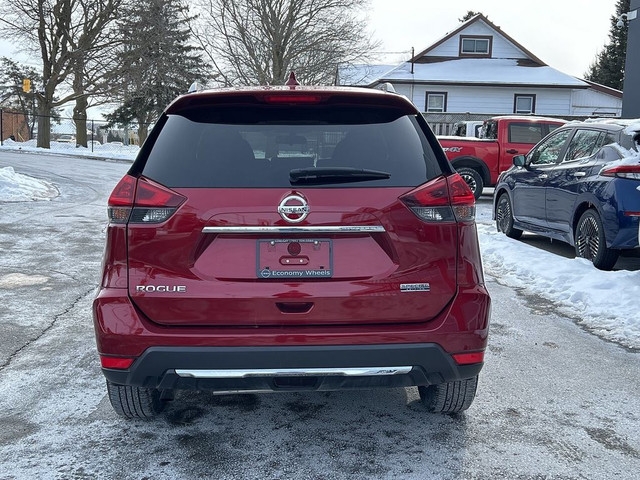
[631, 92]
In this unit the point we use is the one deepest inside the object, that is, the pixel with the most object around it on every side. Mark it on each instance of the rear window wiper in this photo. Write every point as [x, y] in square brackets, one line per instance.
[317, 175]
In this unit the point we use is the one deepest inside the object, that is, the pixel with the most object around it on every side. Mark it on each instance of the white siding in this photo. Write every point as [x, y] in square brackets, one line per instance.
[593, 102]
[501, 47]
[492, 100]
[406, 90]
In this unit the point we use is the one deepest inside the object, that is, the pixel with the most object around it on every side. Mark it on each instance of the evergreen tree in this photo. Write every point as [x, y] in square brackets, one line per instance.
[469, 15]
[608, 66]
[156, 62]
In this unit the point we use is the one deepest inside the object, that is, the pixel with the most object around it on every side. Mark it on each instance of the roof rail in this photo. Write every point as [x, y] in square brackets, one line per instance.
[195, 87]
[386, 87]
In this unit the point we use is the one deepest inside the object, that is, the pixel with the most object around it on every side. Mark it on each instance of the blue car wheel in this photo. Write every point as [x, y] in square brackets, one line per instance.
[504, 218]
[591, 243]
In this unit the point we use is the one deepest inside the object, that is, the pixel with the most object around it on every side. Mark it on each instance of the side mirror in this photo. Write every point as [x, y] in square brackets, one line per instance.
[520, 160]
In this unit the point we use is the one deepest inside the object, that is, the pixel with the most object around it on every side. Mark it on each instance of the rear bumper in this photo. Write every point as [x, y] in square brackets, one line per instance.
[426, 348]
[272, 368]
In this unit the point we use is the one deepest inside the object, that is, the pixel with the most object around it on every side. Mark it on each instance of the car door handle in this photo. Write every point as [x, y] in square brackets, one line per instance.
[543, 175]
[512, 151]
[579, 174]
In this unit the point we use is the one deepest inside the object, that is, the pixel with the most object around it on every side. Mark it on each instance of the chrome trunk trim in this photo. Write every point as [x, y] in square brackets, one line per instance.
[345, 229]
[295, 372]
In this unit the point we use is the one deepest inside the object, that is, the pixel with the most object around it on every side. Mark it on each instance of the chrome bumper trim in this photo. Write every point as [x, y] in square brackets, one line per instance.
[296, 372]
[297, 229]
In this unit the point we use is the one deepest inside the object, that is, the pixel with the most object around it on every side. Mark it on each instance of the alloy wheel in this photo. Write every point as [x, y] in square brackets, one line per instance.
[503, 214]
[588, 241]
[470, 181]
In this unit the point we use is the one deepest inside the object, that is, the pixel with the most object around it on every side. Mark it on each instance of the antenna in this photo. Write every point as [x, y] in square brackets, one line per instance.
[292, 82]
[413, 54]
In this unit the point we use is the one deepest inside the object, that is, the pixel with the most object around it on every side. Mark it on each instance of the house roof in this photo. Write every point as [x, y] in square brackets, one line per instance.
[481, 71]
[362, 74]
[463, 26]
[528, 71]
[604, 89]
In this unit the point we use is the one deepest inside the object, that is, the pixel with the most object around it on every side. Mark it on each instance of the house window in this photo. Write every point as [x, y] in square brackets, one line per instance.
[436, 102]
[475, 46]
[524, 104]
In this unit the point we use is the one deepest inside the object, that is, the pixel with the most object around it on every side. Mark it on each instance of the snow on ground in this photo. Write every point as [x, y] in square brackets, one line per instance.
[107, 151]
[604, 302]
[16, 187]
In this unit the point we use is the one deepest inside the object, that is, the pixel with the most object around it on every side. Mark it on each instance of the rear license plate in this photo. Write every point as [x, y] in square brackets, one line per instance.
[294, 258]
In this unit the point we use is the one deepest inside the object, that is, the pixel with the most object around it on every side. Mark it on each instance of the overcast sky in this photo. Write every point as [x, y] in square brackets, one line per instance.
[566, 34]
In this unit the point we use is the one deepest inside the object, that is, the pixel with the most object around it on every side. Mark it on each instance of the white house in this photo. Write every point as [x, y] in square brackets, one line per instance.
[480, 69]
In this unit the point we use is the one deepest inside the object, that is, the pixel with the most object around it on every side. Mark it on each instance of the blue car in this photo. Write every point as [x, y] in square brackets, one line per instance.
[580, 185]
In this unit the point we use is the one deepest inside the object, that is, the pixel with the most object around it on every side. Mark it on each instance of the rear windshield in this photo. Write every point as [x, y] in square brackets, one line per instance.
[246, 147]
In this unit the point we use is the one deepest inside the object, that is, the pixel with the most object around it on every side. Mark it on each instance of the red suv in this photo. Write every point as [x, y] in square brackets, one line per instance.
[287, 239]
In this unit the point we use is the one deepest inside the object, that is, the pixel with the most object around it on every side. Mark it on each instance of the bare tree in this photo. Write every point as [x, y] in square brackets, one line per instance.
[259, 41]
[93, 56]
[63, 34]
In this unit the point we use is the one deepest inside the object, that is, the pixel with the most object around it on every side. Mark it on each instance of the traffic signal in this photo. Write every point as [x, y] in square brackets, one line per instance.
[26, 85]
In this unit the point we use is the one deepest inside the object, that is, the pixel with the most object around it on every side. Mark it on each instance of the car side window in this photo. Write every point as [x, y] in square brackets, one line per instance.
[583, 144]
[525, 132]
[490, 130]
[549, 152]
[608, 154]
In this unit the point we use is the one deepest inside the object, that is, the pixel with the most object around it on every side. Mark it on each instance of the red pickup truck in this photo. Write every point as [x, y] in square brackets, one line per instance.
[480, 160]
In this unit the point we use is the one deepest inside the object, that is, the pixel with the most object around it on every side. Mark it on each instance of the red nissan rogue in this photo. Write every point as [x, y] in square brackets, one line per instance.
[286, 239]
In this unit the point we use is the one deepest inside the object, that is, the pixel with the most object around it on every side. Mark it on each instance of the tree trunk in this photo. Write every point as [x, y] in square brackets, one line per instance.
[80, 118]
[44, 123]
[80, 109]
[143, 131]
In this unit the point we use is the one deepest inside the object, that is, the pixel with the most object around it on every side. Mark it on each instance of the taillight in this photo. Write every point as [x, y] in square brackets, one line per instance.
[443, 199]
[121, 200]
[154, 203]
[622, 171]
[146, 202]
[293, 98]
[462, 200]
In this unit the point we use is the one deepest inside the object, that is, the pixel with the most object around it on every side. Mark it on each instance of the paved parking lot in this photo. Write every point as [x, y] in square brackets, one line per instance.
[554, 401]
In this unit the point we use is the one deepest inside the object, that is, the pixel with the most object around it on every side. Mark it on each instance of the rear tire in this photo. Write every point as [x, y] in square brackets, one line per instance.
[504, 218]
[473, 179]
[591, 243]
[134, 402]
[450, 397]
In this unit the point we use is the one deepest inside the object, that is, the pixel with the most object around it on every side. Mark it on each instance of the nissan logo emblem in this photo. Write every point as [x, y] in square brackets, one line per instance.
[293, 208]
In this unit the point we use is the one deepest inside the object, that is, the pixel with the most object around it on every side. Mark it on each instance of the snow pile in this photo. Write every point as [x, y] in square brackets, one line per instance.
[604, 302]
[633, 127]
[15, 280]
[108, 150]
[15, 187]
